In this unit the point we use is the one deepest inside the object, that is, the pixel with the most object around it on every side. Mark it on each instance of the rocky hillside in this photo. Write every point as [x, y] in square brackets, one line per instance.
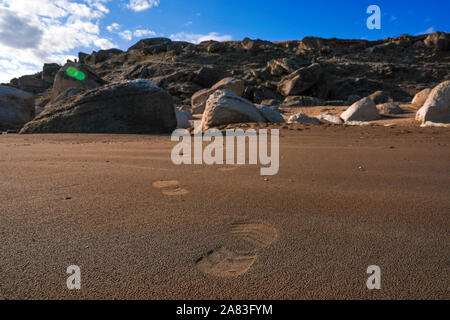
[313, 71]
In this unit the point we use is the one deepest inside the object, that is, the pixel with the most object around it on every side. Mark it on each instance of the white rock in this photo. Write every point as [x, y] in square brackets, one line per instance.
[303, 119]
[437, 106]
[358, 123]
[362, 110]
[224, 107]
[434, 124]
[330, 118]
[420, 98]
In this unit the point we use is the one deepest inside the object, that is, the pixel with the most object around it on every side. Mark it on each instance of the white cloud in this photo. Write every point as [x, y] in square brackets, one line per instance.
[393, 18]
[429, 30]
[113, 27]
[46, 31]
[126, 34]
[197, 38]
[143, 33]
[141, 5]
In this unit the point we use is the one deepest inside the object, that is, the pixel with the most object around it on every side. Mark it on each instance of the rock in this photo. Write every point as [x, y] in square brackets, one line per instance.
[358, 123]
[198, 99]
[145, 43]
[380, 97]
[270, 114]
[225, 107]
[330, 118]
[137, 106]
[49, 71]
[439, 41]
[389, 108]
[100, 56]
[303, 119]
[362, 110]
[88, 79]
[183, 119]
[279, 67]
[437, 106]
[32, 83]
[16, 108]
[420, 98]
[351, 99]
[312, 43]
[435, 125]
[207, 77]
[302, 101]
[255, 45]
[301, 80]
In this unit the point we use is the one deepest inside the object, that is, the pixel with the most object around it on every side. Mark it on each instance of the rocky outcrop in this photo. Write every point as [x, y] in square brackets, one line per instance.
[65, 79]
[438, 41]
[362, 110]
[225, 107]
[16, 108]
[420, 98]
[137, 106]
[437, 107]
[198, 100]
[389, 108]
[302, 80]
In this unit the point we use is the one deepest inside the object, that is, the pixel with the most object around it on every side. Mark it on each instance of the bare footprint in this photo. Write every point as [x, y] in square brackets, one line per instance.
[170, 187]
[222, 262]
[256, 233]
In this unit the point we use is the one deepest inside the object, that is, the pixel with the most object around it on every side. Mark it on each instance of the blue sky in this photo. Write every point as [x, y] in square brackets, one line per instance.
[36, 31]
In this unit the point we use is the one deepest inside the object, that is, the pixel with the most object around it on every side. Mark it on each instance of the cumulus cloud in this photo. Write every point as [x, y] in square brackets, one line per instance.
[143, 33]
[141, 5]
[197, 38]
[113, 27]
[126, 34]
[34, 32]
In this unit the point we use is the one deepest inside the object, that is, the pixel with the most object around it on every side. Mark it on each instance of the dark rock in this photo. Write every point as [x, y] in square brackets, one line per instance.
[136, 106]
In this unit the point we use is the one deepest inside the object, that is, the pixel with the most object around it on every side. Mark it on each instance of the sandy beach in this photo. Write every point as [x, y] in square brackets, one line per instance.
[140, 227]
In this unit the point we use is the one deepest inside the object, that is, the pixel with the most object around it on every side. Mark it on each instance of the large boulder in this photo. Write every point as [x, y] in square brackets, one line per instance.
[49, 71]
[86, 78]
[437, 107]
[420, 98]
[16, 108]
[362, 110]
[198, 99]
[439, 41]
[301, 80]
[207, 76]
[137, 106]
[279, 67]
[225, 107]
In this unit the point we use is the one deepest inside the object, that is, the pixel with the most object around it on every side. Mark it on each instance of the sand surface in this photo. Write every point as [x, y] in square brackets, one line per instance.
[140, 227]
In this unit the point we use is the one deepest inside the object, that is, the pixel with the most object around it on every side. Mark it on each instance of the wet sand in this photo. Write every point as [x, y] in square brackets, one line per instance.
[140, 227]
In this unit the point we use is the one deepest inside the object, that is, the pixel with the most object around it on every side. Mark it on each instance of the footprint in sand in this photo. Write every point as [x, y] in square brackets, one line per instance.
[223, 262]
[259, 234]
[170, 187]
